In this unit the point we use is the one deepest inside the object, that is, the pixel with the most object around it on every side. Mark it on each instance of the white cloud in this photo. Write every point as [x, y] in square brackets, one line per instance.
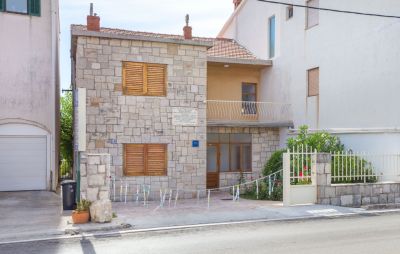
[164, 16]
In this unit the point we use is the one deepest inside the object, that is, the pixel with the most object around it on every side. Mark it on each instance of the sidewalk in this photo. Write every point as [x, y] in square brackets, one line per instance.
[23, 219]
[222, 209]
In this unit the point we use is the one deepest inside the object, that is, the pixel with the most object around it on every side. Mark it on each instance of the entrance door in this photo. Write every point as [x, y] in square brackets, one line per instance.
[212, 166]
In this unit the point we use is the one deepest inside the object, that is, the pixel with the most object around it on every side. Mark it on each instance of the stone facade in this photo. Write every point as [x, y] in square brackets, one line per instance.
[114, 119]
[353, 195]
[95, 177]
[265, 141]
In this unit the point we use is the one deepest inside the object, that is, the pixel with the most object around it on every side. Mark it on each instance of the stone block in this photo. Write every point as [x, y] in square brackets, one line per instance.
[96, 180]
[93, 160]
[374, 200]
[335, 201]
[366, 201]
[383, 199]
[330, 192]
[391, 198]
[347, 200]
[101, 211]
[92, 194]
[357, 200]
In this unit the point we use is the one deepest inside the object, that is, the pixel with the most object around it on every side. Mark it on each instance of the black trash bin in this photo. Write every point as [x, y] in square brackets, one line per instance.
[68, 194]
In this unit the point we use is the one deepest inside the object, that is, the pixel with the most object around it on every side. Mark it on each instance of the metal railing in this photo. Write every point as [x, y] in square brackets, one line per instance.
[350, 167]
[220, 110]
[300, 161]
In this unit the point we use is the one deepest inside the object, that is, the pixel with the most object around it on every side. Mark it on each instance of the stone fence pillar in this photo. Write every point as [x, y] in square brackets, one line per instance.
[95, 175]
[324, 174]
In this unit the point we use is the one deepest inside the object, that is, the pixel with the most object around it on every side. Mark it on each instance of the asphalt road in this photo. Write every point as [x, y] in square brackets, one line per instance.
[377, 234]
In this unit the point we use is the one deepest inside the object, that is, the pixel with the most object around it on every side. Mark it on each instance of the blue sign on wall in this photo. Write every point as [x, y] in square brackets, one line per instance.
[195, 143]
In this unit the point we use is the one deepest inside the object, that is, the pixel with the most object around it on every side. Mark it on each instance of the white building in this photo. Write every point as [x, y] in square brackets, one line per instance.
[29, 94]
[340, 71]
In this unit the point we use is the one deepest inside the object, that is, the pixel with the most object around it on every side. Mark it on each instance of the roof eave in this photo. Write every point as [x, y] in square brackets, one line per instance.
[228, 60]
[75, 32]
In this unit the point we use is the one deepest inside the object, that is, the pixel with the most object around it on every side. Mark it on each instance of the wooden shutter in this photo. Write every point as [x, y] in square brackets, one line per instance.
[313, 82]
[156, 81]
[145, 159]
[312, 14]
[34, 7]
[134, 159]
[156, 160]
[133, 78]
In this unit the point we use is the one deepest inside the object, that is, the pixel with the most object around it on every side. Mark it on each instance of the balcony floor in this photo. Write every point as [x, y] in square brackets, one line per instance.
[239, 123]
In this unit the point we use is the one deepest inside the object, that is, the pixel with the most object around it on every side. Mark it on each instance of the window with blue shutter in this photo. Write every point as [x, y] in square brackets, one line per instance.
[30, 7]
[34, 7]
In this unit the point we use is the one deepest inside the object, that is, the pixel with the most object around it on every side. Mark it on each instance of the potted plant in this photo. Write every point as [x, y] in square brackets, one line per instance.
[81, 214]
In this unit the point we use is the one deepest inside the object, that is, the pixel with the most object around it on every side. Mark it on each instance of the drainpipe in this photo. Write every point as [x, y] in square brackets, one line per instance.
[78, 176]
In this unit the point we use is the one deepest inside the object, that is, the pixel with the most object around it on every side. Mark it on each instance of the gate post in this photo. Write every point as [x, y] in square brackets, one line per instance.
[286, 179]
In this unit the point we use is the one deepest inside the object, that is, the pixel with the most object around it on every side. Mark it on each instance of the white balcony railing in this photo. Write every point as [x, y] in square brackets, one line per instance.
[267, 112]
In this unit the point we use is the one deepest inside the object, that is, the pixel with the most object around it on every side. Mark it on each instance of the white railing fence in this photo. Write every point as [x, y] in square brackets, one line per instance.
[351, 167]
[127, 190]
[248, 111]
[300, 158]
[346, 166]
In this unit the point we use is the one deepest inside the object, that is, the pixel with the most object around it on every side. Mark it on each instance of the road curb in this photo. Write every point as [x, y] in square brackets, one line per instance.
[90, 234]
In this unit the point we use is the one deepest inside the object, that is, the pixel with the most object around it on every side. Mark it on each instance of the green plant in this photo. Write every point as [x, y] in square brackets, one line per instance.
[274, 163]
[66, 131]
[83, 205]
[323, 142]
[65, 168]
[114, 215]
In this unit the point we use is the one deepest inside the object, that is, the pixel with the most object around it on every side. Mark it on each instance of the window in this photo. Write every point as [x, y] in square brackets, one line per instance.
[145, 159]
[234, 151]
[312, 14]
[313, 82]
[31, 7]
[272, 37]
[249, 96]
[144, 79]
[289, 12]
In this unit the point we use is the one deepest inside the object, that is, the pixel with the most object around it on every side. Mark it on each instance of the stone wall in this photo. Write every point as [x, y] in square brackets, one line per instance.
[114, 119]
[353, 195]
[95, 176]
[265, 141]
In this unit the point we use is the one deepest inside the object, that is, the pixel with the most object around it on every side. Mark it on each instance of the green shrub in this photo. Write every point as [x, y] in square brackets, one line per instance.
[83, 205]
[65, 168]
[274, 163]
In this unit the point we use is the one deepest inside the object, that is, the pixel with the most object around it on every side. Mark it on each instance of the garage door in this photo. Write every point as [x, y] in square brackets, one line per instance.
[22, 163]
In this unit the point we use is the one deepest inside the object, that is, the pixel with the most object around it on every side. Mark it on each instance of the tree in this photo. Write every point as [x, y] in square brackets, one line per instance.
[66, 135]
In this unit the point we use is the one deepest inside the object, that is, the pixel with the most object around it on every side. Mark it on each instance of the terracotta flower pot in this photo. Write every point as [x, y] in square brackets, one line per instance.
[80, 217]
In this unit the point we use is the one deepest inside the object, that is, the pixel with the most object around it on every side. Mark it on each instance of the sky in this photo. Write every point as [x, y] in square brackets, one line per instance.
[163, 16]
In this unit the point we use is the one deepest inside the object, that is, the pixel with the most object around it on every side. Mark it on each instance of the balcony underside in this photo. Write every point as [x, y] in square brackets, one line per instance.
[238, 123]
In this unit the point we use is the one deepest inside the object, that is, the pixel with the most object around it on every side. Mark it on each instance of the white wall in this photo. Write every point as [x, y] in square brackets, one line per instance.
[358, 57]
[29, 85]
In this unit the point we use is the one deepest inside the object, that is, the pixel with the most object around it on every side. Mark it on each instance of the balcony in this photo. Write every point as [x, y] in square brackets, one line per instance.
[245, 113]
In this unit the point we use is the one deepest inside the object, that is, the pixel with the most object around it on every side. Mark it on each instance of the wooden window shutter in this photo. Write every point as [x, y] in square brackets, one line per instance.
[133, 76]
[145, 159]
[34, 7]
[134, 159]
[156, 79]
[313, 82]
[156, 160]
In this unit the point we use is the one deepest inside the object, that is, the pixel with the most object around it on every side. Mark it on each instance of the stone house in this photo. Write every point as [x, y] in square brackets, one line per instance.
[171, 111]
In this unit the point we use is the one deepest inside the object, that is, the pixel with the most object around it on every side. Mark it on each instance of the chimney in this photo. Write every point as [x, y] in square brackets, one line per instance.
[93, 21]
[187, 30]
[236, 3]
